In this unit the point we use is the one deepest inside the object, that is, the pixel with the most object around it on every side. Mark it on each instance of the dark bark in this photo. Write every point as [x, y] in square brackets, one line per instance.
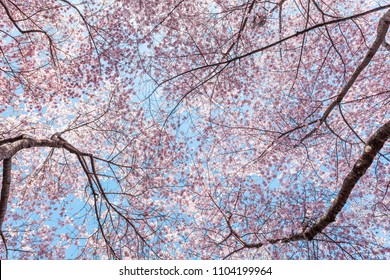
[371, 149]
[383, 27]
[5, 190]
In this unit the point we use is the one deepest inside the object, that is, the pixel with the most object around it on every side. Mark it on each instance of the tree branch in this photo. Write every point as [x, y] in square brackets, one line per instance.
[9, 147]
[15, 23]
[271, 45]
[371, 149]
[5, 190]
[382, 29]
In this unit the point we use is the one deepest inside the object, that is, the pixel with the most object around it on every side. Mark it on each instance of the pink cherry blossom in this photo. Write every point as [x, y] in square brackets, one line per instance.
[199, 129]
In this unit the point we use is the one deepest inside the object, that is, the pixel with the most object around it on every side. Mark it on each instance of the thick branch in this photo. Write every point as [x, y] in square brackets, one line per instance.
[382, 29]
[9, 147]
[371, 149]
[5, 189]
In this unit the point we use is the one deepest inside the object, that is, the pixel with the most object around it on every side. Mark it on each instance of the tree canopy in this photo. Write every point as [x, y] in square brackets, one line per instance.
[203, 129]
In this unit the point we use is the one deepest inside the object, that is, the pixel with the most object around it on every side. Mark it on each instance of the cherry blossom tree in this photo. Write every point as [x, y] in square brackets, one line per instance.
[198, 129]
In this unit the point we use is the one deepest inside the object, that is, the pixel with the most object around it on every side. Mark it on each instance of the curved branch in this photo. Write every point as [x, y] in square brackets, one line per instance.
[371, 149]
[9, 147]
[382, 29]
